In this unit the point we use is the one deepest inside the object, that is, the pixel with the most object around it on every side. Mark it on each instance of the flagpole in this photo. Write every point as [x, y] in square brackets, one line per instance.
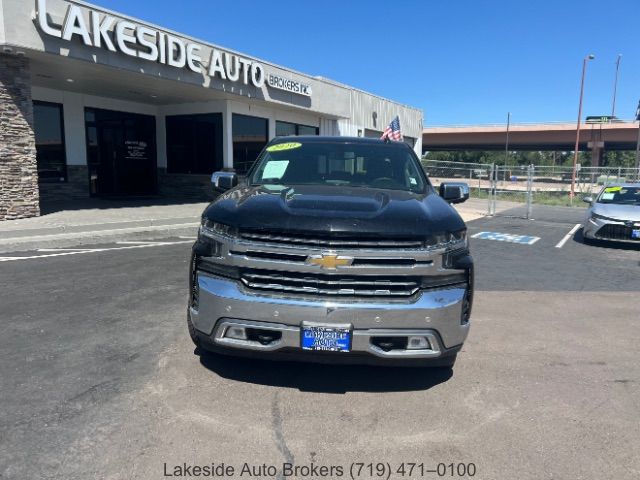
[638, 155]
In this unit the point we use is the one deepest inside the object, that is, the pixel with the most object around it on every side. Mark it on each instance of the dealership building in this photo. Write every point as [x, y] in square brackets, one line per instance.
[97, 104]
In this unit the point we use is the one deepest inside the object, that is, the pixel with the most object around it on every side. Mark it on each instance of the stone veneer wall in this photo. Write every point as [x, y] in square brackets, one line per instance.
[76, 186]
[196, 187]
[19, 195]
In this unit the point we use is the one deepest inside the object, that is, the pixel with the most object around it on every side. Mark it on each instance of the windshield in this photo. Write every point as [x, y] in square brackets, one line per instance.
[386, 166]
[620, 195]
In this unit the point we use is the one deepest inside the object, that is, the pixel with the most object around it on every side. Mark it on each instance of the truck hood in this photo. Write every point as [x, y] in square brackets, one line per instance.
[319, 208]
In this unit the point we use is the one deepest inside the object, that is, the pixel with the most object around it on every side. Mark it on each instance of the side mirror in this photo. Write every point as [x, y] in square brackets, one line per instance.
[454, 192]
[224, 181]
[587, 199]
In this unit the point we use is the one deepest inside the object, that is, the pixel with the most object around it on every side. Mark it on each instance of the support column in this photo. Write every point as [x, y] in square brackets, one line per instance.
[272, 126]
[19, 195]
[596, 148]
[227, 137]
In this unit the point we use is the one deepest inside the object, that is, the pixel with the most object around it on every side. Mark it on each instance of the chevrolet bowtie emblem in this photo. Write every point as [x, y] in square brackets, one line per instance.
[329, 262]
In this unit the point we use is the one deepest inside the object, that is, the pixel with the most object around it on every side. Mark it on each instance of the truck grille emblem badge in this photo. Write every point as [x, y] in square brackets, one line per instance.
[329, 261]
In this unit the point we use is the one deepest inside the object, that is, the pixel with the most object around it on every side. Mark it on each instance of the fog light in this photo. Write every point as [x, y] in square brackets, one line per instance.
[239, 333]
[418, 343]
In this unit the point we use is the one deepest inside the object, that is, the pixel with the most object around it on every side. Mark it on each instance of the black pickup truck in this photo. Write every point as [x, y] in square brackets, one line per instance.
[333, 249]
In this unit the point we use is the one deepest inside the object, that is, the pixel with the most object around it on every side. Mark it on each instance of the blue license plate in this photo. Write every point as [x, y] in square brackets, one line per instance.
[326, 338]
[635, 233]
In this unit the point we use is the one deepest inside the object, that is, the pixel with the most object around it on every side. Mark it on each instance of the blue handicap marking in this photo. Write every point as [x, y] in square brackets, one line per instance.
[507, 237]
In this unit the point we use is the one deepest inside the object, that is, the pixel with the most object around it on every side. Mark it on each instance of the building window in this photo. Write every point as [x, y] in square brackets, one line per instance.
[194, 143]
[50, 150]
[287, 129]
[250, 135]
[372, 133]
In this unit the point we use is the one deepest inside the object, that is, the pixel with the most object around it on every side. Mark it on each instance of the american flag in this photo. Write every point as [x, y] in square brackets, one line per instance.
[393, 132]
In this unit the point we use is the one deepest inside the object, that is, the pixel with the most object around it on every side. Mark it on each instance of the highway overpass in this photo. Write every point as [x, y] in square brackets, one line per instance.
[596, 137]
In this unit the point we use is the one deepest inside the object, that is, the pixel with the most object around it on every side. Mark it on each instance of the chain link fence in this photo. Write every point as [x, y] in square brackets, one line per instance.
[515, 190]
[476, 175]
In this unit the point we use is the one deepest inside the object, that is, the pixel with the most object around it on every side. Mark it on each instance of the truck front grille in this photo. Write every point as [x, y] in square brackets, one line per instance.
[330, 285]
[616, 232]
[336, 240]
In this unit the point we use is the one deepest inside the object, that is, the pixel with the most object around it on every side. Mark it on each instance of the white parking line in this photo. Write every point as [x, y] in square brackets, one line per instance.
[62, 249]
[138, 242]
[568, 235]
[93, 250]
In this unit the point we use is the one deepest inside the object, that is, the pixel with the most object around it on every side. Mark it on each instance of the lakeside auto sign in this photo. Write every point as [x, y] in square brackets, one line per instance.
[149, 44]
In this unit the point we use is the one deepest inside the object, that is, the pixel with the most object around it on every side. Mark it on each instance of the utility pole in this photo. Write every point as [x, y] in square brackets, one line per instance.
[575, 152]
[506, 147]
[615, 87]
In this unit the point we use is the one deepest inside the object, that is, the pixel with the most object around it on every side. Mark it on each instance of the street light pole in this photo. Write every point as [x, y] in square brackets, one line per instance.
[575, 152]
[615, 87]
[637, 164]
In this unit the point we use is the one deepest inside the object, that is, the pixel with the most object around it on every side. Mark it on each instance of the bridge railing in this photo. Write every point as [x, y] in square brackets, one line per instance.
[584, 125]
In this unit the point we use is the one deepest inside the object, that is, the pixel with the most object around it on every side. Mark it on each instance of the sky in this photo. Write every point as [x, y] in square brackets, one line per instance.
[461, 62]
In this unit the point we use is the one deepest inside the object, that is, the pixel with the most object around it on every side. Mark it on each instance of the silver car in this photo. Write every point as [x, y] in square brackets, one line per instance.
[614, 214]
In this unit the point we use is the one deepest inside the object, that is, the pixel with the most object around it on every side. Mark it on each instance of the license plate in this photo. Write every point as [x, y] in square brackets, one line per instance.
[327, 338]
[635, 233]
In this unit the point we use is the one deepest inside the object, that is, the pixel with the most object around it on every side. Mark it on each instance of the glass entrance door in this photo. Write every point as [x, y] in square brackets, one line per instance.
[121, 153]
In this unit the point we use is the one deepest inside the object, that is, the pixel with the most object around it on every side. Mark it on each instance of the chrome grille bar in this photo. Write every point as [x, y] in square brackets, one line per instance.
[362, 260]
[368, 287]
[330, 241]
[311, 280]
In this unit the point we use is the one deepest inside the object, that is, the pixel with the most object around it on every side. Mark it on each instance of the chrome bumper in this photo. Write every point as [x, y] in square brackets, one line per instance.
[435, 314]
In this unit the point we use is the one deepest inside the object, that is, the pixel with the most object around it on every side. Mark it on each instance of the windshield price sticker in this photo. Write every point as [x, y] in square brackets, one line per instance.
[612, 189]
[283, 146]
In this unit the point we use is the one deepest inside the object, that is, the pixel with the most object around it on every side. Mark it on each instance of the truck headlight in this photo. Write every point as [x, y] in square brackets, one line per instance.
[448, 240]
[206, 246]
[216, 228]
[459, 238]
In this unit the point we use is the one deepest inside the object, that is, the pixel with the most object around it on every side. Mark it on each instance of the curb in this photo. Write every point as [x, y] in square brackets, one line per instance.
[96, 236]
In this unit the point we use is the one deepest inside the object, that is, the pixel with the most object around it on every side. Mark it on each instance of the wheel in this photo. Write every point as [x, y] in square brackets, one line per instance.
[192, 332]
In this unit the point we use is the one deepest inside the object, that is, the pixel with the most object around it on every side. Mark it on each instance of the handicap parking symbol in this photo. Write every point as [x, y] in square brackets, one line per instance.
[507, 237]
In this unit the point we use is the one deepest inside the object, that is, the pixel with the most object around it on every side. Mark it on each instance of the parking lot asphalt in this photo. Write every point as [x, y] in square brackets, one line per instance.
[98, 378]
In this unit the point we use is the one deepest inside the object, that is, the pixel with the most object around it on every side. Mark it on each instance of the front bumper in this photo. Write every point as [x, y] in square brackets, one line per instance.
[435, 314]
[610, 230]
